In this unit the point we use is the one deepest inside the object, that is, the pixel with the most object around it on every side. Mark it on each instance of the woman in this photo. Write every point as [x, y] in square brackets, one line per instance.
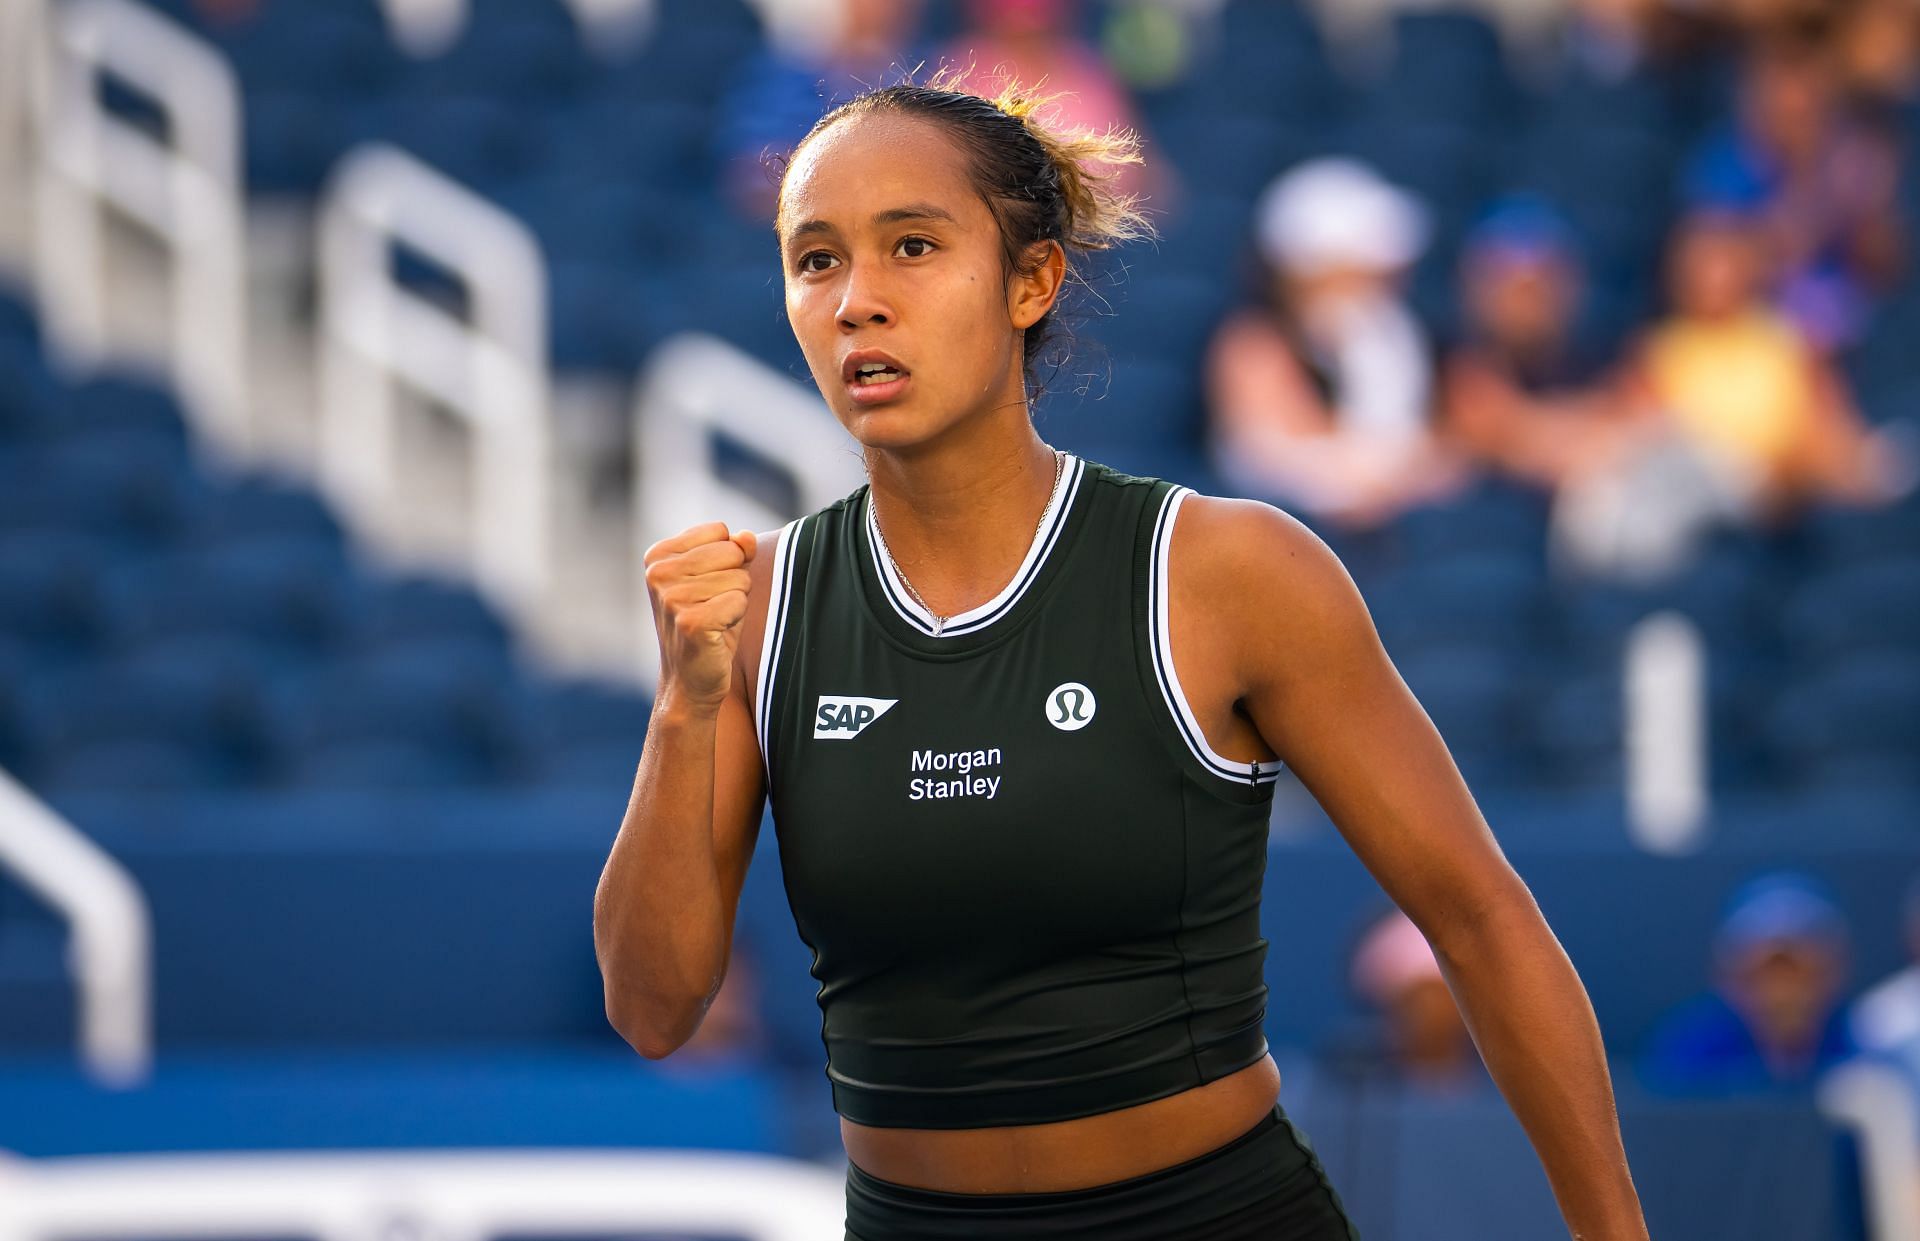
[1019, 717]
[1319, 393]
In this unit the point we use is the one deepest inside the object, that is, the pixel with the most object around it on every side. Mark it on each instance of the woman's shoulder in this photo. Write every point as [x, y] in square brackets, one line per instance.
[1228, 536]
[1260, 578]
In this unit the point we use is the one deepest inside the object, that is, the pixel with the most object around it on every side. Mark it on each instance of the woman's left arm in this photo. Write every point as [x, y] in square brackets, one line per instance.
[1321, 691]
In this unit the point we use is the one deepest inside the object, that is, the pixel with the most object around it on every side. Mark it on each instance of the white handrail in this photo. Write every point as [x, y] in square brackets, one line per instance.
[491, 371]
[110, 950]
[448, 1196]
[185, 190]
[1877, 1102]
[694, 386]
[1665, 689]
[426, 28]
[21, 24]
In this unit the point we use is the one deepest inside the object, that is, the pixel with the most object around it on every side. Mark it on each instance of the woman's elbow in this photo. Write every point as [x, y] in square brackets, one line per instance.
[1502, 912]
[653, 1029]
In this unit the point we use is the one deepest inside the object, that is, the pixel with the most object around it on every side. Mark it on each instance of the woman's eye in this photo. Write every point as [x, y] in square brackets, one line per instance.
[807, 260]
[926, 247]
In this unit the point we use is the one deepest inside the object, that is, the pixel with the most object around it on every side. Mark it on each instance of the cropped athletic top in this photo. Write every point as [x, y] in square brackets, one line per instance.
[1031, 888]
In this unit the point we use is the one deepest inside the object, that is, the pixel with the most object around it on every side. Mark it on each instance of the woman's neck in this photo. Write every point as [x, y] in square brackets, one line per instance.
[959, 516]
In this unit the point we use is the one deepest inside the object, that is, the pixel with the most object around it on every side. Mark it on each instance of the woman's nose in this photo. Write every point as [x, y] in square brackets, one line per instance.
[863, 300]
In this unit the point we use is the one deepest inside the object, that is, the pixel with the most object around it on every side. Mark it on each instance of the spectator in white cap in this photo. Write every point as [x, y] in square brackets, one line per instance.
[1320, 394]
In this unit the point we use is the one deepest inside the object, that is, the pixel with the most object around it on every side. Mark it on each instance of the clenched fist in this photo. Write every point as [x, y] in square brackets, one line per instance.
[698, 582]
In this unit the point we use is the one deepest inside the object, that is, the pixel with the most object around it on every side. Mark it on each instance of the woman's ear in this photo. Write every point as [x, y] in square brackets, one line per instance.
[1034, 289]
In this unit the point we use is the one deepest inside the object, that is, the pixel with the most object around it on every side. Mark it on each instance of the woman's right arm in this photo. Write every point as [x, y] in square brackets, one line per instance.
[663, 914]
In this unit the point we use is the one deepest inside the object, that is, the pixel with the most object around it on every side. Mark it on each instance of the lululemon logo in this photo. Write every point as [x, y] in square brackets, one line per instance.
[1070, 707]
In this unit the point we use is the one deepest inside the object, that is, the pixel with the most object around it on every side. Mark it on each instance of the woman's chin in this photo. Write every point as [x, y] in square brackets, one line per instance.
[890, 427]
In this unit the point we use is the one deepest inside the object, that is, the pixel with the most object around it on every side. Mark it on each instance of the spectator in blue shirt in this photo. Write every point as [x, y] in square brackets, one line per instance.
[1775, 1017]
[1822, 181]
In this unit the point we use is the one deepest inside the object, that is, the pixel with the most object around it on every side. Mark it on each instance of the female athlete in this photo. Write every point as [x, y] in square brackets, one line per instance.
[1019, 716]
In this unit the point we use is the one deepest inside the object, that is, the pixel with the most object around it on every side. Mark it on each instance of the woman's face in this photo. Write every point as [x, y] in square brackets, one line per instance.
[887, 250]
[1715, 268]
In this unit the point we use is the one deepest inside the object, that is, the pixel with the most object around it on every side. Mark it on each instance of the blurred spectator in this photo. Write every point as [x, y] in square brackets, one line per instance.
[1822, 183]
[1747, 387]
[1613, 40]
[1319, 396]
[1774, 1017]
[1759, 19]
[1425, 1042]
[1879, 51]
[1035, 43]
[1744, 420]
[1887, 1017]
[1519, 390]
[780, 92]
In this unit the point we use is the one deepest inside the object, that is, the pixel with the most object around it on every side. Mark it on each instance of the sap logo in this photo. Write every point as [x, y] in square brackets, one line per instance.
[840, 718]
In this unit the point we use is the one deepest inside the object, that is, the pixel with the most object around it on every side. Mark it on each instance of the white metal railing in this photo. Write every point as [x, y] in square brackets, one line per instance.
[1877, 1102]
[426, 28]
[110, 945]
[185, 190]
[695, 387]
[20, 35]
[489, 368]
[429, 1196]
[1664, 684]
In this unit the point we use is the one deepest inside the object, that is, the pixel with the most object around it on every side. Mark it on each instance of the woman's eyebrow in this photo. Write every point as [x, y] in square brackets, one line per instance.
[892, 215]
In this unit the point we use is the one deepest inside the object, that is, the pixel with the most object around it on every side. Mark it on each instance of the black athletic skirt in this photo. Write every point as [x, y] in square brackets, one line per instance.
[1265, 1185]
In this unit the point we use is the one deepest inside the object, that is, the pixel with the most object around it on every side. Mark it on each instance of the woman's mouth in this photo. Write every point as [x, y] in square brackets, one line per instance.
[877, 383]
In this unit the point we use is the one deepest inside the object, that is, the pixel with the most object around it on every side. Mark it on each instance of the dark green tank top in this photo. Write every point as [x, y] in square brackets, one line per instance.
[1031, 888]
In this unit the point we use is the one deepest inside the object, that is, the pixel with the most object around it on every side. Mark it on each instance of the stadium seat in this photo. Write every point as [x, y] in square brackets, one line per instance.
[151, 714]
[1132, 408]
[476, 139]
[1577, 724]
[562, 717]
[1853, 609]
[1232, 154]
[1445, 63]
[1861, 708]
[527, 51]
[1487, 600]
[149, 765]
[1474, 697]
[383, 611]
[1843, 537]
[48, 581]
[260, 507]
[1492, 517]
[389, 764]
[1150, 313]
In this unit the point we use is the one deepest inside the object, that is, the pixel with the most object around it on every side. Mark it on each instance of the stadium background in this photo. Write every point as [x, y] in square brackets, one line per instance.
[353, 698]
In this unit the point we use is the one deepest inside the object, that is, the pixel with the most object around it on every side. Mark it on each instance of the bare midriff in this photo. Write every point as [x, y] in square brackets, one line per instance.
[1069, 1154]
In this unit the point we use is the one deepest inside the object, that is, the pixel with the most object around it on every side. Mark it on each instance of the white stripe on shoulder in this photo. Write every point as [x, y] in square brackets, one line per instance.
[1160, 643]
[778, 592]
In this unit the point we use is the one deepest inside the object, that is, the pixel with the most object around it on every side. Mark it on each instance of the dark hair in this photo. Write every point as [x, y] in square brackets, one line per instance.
[1040, 182]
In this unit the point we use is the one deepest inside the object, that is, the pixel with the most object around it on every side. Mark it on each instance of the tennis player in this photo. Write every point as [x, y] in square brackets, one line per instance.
[1020, 716]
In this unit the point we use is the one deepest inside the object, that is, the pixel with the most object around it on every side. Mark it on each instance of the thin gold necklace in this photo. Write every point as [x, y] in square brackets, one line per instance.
[939, 621]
